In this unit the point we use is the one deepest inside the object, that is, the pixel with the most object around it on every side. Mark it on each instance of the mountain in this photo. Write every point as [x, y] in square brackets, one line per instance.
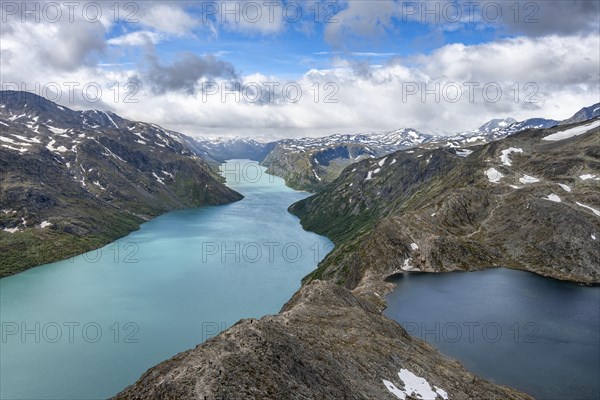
[312, 163]
[496, 125]
[530, 201]
[73, 181]
[584, 114]
[221, 149]
[492, 130]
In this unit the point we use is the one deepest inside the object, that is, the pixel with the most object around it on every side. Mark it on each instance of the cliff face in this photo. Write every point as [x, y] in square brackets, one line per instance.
[326, 343]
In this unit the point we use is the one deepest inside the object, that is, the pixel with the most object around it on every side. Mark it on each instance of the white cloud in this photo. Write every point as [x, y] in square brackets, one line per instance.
[169, 18]
[139, 38]
[374, 100]
[369, 97]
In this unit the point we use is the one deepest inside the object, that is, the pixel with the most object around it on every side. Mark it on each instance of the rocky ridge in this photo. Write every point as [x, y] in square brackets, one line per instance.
[326, 343]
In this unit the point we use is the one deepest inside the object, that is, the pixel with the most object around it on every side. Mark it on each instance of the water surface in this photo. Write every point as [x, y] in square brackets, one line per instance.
[536, 334]
[86, 328]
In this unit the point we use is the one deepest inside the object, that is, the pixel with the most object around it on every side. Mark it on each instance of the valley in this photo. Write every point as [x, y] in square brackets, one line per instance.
[518, 195]
[528, 201]
[311, 200]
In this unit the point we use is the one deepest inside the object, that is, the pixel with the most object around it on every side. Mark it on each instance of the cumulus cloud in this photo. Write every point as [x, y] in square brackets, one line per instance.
[169, 17]
[62, 45]
[368, 98]
[346, 96]
[139, 38]
[358, 19]
[185, 72]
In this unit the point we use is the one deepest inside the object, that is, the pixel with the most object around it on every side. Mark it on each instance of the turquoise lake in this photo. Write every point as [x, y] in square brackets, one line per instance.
[87, 327]
[515, 328]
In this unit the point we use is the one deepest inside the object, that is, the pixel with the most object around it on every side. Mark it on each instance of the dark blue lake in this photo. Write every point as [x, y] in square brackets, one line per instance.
[535, 334]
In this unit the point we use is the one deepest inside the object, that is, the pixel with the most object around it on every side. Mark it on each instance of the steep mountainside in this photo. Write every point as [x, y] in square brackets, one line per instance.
[530, 201]
[312, 163]
[72, 181]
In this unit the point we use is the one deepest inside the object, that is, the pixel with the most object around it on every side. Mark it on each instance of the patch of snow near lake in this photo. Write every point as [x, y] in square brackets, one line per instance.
[515, 187]
[586, 177]
[464, 152]
[407, 266]
[414, 386]
[11, 230]
[505, 157]
[553, 197]
[494, 175]
[414, 246]
[528, 179]
[589, 208]
[565, 187]
[45, 224]
[569, 133]
[382, 162]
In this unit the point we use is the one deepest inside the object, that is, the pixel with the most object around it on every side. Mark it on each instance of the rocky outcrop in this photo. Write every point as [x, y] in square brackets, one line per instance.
[326, 343]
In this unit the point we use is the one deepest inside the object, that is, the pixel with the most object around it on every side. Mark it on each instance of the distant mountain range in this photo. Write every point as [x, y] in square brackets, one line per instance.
[312, 163]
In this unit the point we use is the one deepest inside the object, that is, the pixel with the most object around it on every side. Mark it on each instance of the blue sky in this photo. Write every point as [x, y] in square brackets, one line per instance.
[368, 57]
[301, 44]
